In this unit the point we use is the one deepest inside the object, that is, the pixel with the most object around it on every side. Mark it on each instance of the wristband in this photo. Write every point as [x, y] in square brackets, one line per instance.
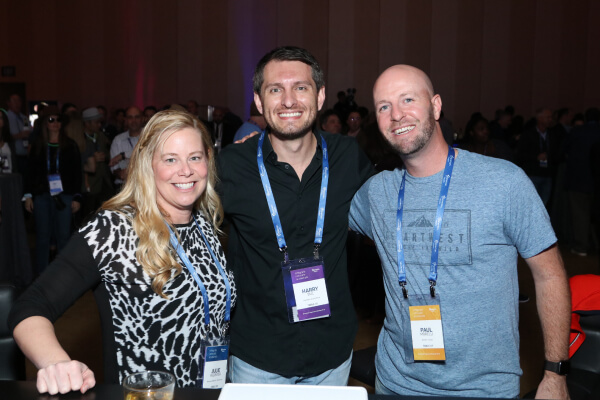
[561, 368]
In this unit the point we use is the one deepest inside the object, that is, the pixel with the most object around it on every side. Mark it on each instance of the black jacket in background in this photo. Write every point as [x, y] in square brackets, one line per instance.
[69, 167]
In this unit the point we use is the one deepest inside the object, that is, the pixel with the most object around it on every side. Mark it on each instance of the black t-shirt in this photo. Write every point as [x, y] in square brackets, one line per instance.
[261, 334]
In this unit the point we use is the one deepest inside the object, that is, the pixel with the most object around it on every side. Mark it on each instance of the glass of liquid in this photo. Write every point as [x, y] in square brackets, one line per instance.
[149, 385]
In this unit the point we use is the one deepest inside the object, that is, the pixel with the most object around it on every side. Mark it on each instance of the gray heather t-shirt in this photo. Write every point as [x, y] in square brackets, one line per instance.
[492, 212]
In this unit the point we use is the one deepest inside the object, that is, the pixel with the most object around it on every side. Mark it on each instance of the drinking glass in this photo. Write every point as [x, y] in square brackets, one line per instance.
[149, 385]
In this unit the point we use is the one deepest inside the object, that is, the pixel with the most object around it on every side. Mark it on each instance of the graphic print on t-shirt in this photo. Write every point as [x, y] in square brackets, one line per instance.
[417, 234]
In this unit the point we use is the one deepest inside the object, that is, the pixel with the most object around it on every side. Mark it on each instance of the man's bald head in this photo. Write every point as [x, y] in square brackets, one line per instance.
[404, 72]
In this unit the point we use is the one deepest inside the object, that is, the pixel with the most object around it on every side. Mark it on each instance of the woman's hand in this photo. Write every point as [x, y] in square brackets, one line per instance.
[29, 204]
[64, 377]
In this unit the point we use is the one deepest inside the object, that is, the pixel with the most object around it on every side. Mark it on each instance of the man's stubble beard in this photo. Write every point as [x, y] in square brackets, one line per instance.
[305, 129]
[290, 135]
[420, 141]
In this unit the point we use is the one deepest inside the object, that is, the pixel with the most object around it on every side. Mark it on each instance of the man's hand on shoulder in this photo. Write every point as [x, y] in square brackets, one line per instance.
[242, 140]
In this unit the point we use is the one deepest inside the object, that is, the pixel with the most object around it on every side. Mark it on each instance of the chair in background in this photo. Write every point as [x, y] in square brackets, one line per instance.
[12, 361]
[584, 379]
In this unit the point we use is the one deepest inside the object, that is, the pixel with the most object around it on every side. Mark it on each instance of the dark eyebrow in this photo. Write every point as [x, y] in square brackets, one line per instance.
[279, 84]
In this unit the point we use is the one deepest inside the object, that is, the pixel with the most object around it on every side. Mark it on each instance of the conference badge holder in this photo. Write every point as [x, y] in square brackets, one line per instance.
[305, 289]
[212, 365]
[214, 349]
[55, 184]
[422, 327]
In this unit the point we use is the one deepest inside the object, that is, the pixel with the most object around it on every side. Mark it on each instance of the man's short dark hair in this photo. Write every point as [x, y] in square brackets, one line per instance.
[288, 53]
[325, 116]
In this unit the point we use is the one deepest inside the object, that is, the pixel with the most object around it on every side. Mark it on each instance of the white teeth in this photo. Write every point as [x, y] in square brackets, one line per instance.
[287, 115]
[403, 130]
[185, 185]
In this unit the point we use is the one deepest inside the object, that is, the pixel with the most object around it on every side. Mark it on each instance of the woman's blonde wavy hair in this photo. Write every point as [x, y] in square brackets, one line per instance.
[154, 251]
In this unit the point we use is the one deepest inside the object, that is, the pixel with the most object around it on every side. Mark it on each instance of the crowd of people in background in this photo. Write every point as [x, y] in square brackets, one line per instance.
[554, 147]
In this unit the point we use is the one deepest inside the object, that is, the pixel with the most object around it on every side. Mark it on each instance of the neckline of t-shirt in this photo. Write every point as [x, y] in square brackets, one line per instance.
[428, 179]
[425, 179]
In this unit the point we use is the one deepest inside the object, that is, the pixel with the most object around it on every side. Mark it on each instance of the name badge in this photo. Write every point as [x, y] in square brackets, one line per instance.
[306, 291]
[427, 333]
[55, 184]
[215, 367]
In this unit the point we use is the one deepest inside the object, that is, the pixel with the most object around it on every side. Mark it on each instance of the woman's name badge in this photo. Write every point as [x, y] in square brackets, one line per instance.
[427, 334]
[215, 366]
[306, 292]
[55, 184]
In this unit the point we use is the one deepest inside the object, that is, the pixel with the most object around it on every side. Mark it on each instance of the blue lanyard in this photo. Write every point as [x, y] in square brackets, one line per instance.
[184, 258]
[437, 228]
[273, 207]
[48, 158]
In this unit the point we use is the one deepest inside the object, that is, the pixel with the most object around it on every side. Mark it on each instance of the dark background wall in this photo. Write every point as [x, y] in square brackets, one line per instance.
[480, 54]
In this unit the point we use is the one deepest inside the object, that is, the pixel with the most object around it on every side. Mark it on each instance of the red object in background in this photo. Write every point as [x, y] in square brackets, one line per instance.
[585, 296]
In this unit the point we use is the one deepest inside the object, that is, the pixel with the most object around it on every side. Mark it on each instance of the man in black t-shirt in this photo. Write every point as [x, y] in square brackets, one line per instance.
[266, 347]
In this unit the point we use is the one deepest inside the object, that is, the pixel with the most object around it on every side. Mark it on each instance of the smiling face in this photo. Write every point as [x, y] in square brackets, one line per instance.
[289, 99]
[180, 173]
[53, 124]
[406, 108]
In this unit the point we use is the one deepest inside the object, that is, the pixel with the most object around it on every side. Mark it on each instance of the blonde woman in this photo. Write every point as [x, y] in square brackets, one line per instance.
[153, 312]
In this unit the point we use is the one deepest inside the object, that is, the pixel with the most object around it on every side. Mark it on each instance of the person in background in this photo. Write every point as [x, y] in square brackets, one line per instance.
[538, 153]
[5, 144]
[330, 122]
[120, 120]
[478, 140]
[52, 186]
[20, 129]
[109, 130]
[151, 306]
[149, 111]
[193, 108]
[578, 120]
[579, 179]
[222, 128]
[354, 123]
[123, 144]
[98, 185]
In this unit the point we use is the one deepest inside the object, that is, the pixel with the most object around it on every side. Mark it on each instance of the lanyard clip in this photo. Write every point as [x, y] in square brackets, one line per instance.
[404, 291]
[286, 258]
[316, 250]
[432, 288]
